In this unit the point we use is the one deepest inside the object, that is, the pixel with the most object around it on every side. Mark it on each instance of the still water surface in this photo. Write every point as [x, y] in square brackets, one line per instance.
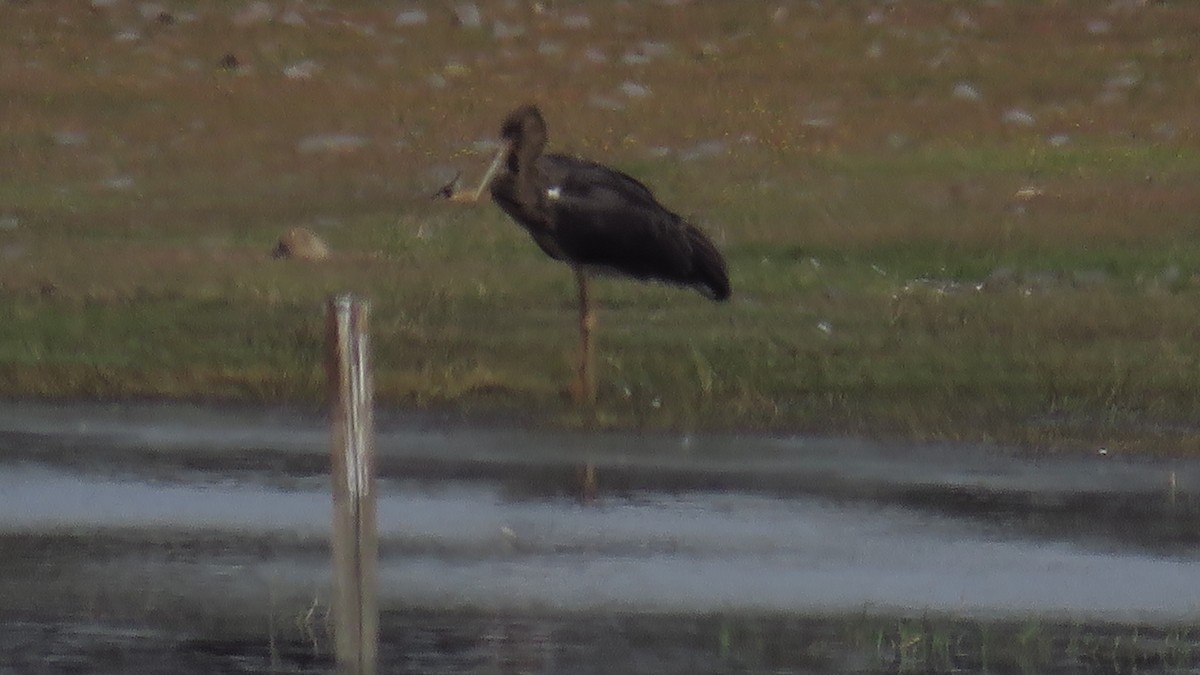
[209, 529]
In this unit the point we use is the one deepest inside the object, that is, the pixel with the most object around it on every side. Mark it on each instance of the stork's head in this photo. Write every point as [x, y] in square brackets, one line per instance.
[524, 130]
[522, 137]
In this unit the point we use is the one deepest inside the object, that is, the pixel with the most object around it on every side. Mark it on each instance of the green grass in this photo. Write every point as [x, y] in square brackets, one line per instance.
[860, 204]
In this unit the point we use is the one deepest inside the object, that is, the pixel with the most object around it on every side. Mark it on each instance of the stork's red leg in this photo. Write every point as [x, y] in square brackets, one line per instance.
[584, 390]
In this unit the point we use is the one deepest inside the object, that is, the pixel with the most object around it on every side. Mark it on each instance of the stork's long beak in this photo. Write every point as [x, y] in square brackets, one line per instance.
[488, 175]
[501, 154]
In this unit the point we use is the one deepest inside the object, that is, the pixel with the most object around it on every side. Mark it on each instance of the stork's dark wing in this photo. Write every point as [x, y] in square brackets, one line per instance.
[580, 175]
[606, 219]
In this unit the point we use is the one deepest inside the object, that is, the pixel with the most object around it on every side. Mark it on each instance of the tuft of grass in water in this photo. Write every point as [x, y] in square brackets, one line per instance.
[932, 643]
[940, 223]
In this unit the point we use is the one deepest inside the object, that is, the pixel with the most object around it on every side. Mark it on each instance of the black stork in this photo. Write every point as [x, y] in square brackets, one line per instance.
[597, 220]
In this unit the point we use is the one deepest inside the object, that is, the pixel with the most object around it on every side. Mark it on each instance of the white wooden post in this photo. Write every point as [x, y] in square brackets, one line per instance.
[355, 544]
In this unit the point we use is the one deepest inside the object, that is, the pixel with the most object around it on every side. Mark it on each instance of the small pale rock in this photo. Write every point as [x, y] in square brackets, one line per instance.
[966, 92]
[1028, 193]
[300, 243]
[1165, 130]
[964, 21]
[302, 70]
[150, 10]
[577, 21]
[412, 17]
[293, 18]
[634, 90]
[1018, 117]
[13, 251]
[1170, 276]
[1000, 279]
[1041, 282]
[69, 138]
[485, 145]
[1089, 278]
[605, 103]
[1128, 78]
[654, 49]
[253, 13]
[703, 149]
[455, 69]
[709, 50]
[504, 31]
[645, 52]
[595, 55]
[118, 183]
[467, 15]
[334, 143]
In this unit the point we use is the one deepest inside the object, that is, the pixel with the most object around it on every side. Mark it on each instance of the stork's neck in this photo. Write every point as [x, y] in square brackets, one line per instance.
[522, 162]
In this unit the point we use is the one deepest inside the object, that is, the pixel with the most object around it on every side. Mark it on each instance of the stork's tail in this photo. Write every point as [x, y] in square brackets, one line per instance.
[710, 273]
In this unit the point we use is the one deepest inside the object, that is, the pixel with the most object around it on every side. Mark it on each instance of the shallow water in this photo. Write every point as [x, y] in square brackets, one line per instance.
[456, 543]
[202, 523]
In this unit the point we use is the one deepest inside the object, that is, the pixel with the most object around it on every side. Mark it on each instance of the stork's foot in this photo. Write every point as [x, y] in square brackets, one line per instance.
[583, 392]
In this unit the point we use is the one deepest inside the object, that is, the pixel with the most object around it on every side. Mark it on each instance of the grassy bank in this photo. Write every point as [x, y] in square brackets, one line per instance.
[964, 221]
